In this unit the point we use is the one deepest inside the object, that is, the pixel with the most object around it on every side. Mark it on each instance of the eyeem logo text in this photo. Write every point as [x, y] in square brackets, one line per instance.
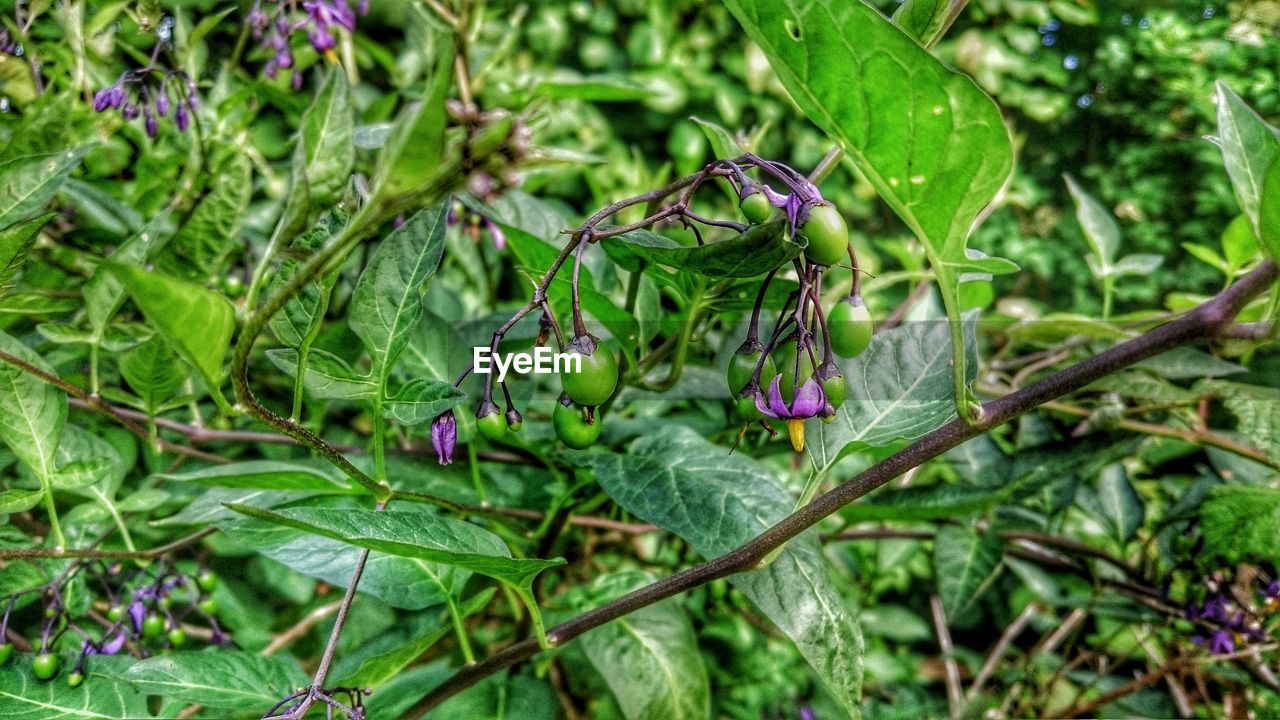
[541, 361]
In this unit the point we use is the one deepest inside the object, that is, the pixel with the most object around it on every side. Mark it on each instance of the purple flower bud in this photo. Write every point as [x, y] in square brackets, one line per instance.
[162, 103]
[181, 118]
[1221, 643]
[152, 125]
[114, 645]
[444, 436]
[495, 232]
[362, 7]
[102, 99]
[397, 222]
[296, 80]
[320, 39]
[137, 613]
[130, 112]
[806, 713]
[283, 58]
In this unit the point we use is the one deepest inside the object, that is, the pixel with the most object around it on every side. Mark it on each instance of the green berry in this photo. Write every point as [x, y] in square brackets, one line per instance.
[114, 613]
[850, 326]
[6, 652]
[827, 234]
[572, 426]
[492, 427]
[177, 637]
[207, 580]
[596, 380]
[208, 606]
[152, 626]
[743, 364]
[44, 666]
[756, 208]
[75, 678]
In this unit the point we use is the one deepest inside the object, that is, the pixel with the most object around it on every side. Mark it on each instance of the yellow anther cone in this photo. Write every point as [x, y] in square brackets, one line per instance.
[795, 428]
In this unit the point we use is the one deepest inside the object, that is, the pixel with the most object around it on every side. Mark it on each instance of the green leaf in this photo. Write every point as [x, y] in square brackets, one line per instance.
[1269, 212]
[301, 317]
[1241, 522]
[328, 376]
[964, 562]
[412, 534]
[28, 182]
[415, 146]
[153, 372]
[101, 207]
[324, 155]
[649, 657]
[388, 297]
[595, 88]
[1257, 411]
[84, 459]
[722, 141]
[1115, 504]
[899, 388]
[267, 475]
[212, 231]
[15, 242]
[422, 400]
[222, 679]
[927, 20]
[1250, 147]
[754, 252]
[104, 293]
[196, 322]
[23, 697]
[32, 412]
[716, 501]
[933, 145]
[15, 501]
[1100, 228]
[379, 661]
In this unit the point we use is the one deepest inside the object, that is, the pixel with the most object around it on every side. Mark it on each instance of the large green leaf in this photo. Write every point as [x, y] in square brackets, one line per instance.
[421, 400]
[898, 389]
[1250, 147]
[104, 292]
[964, 564]
[1269, 213]
[212, 231]
[755, 252]
[412, 534]
[716, 501]
[1241, 522]
[1257, 411]
[413, 150]
[388, 297]
[928, 139]
[28, 182]
[15, 242]
[300, 318]
[267, 475]
[649, 657]
[196, 322]
[99, 697]
[32, 412]
[323, 157]
[223, 679]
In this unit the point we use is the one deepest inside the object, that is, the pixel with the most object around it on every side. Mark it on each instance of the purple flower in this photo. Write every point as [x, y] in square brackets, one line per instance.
[109, 97]
[330, 12]
[321, 39]
[444, 436]
[114, 645]
[162, 103]
[181, 118]
[809, 400]
[806, 713]
[152, 125]
[137, 612]
[495, 232]
[1221, 643]
[88, 648]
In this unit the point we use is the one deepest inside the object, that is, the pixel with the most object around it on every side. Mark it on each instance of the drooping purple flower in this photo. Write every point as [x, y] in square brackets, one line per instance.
[137, 613]
[330, 12]
[806, 713]
[321, 39]
[181, 118]
[152, 125]
[162, 103]
[495, 233]
[1221, 642]
[444, 436]
[109, 97]
[114, 644]
[809, 400]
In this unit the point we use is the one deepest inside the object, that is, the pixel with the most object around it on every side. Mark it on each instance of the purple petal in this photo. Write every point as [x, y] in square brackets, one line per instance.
[320, 39]
[777, 406]
[181, 117]
[809, 400]
[444, 436]
[495, 232]
[114, 645]
[1221, 643]
[776, 198]
[137, 611]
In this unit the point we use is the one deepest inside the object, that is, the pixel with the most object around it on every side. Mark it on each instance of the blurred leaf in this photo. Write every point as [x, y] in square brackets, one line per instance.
[104, 292]
[1115, 505]
[649, 657]
[1257, 411]
[1137, 264]
[101, 207]
[927, 20]
[716, 501]
[222, 679]
[723, 143]
[1241, 522]
[15, 501]
[212, 230]
[267, 475]
[32, 411]
[1186, 363]
[595, 88]
[1099, 227]
[196, 322]
[965, 563]
[1250, 147]
[412, 152]
[1269, 212]
[15, 242]
[388, 298]
[422, 400]
[28, 182]
[748, 254]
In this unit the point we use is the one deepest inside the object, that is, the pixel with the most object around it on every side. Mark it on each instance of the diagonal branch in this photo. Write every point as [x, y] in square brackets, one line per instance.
[1205, 321]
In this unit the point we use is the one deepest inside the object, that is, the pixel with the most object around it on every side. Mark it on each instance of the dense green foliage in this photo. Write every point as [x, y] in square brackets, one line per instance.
[251, 252]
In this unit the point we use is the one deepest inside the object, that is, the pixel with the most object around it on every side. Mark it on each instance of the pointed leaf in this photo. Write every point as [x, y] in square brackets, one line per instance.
[1250, 147]
[28, 182]
[32, 412]
[754, 252]
[413, 150]
[212, 230]
[964, 563]
[222, 679]
[1099, 227]
[99, 697]
[153, 372]
[323, 157]
[196, 322]
[15, 242]
[327, 377]
[265, 474]
[422, 400]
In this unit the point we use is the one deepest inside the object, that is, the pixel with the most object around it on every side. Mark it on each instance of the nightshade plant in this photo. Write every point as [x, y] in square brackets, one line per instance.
[253, 467]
